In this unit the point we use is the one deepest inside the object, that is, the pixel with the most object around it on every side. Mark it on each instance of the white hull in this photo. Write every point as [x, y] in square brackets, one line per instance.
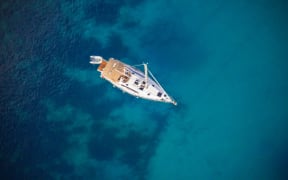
[133, 81]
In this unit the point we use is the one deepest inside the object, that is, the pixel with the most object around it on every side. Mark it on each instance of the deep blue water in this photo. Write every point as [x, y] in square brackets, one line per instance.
[224, 62]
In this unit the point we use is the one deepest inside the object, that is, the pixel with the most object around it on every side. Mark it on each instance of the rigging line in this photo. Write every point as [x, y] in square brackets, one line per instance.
[152, 76]
[156, 80]
[160, 85]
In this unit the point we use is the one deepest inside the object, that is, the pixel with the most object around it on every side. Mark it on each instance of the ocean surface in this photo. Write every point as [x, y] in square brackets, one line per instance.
[225, 62]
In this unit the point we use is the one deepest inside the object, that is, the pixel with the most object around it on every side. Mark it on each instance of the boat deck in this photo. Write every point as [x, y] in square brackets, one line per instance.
[132, 81]
[102, 65]
[114, 71]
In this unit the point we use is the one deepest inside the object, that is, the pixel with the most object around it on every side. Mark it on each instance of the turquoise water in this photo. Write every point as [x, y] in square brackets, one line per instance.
[224, 62]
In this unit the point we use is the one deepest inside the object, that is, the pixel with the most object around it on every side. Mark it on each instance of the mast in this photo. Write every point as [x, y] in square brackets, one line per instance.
[146, 74]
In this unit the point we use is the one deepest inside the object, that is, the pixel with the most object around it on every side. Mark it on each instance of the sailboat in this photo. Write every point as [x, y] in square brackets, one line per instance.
[131, 80]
